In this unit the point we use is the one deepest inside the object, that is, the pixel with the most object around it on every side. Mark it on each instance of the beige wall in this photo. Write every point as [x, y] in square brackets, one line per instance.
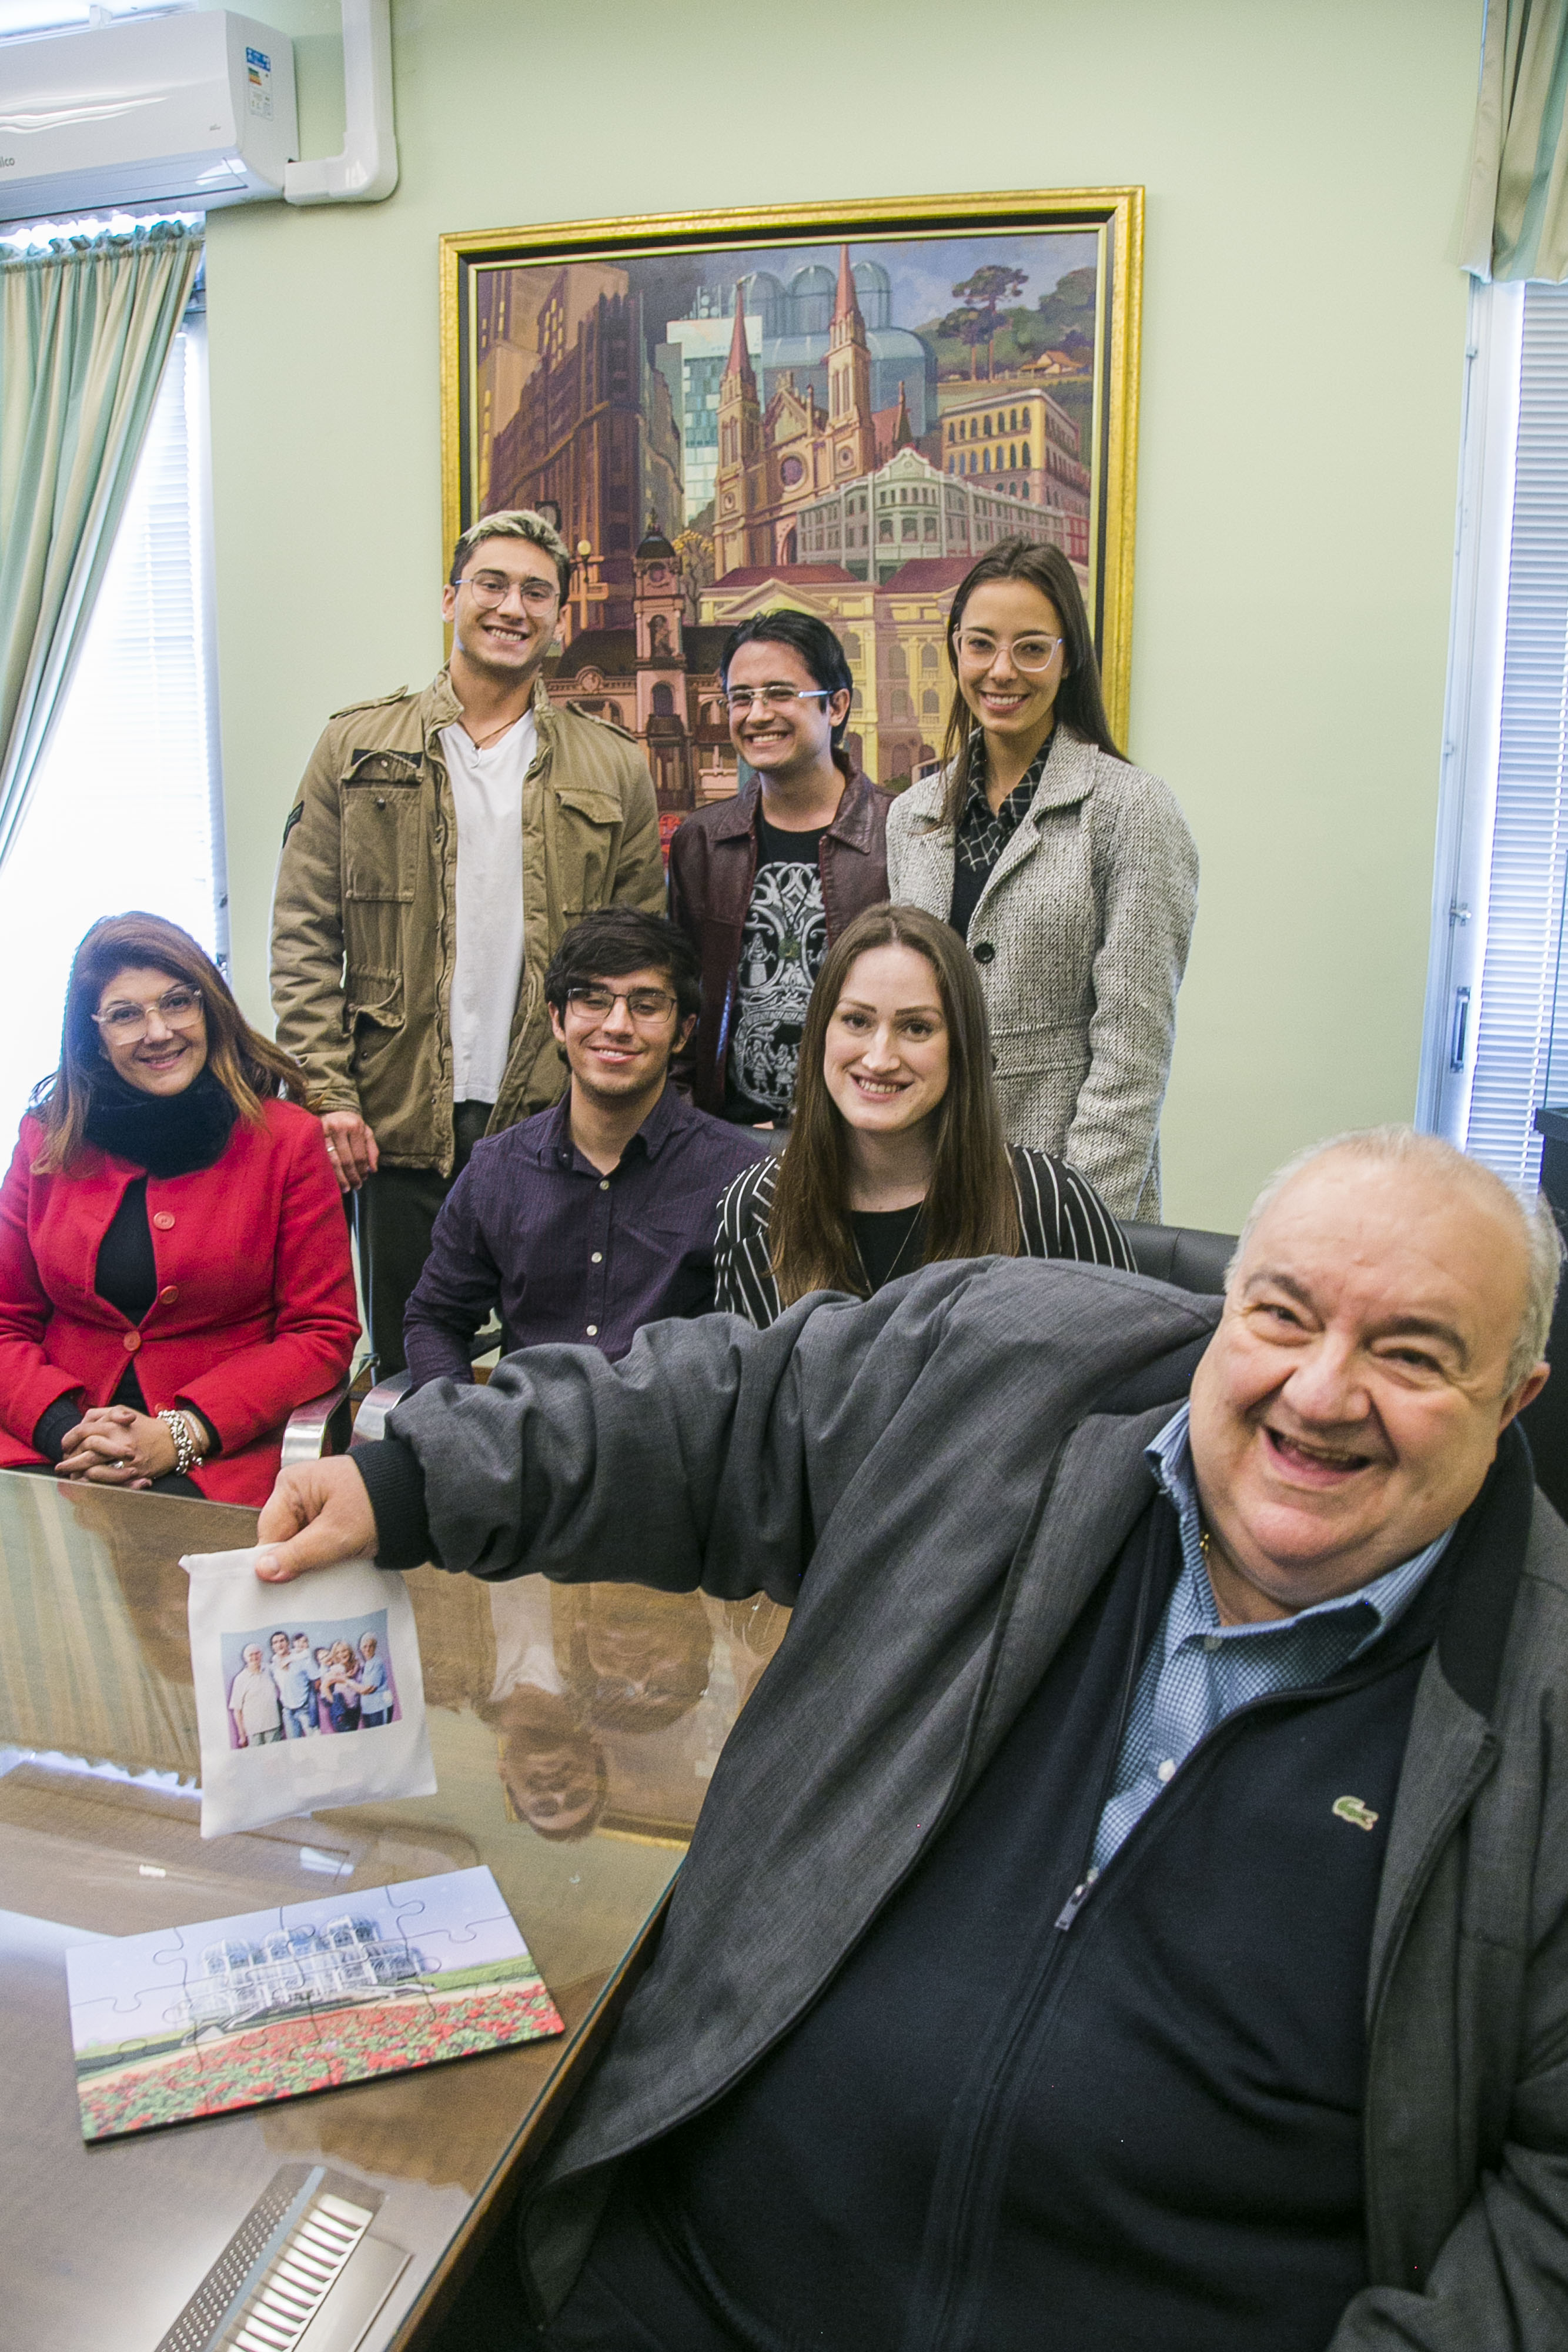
[1304, 339]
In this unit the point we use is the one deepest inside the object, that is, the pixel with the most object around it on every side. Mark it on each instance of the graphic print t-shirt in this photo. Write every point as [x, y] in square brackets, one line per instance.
[782, 945]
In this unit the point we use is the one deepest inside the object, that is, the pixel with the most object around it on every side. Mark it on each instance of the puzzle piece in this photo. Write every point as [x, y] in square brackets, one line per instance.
[295, 1997]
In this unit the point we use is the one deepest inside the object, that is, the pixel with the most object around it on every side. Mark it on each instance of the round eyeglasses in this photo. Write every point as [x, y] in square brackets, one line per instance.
[177, 1008]
[493, 588]
[1031, 655]
[773, 698]
[593, 1001]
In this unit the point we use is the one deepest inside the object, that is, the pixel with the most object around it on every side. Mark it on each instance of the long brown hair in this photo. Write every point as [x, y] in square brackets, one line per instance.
[971, 1206]
[248, 1068]
[1080, 705]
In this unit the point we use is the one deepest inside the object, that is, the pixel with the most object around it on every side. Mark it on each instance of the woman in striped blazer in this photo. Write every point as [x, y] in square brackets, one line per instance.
[897, 1157]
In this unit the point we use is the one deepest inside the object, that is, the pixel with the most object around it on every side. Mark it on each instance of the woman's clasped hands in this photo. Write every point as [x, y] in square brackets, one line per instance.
[113, 1446]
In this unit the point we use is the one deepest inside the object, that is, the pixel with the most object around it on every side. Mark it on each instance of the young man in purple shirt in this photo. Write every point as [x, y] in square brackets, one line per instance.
[601, 1214]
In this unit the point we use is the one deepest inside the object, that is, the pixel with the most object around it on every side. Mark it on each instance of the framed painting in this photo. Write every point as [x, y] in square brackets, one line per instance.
[837, 407]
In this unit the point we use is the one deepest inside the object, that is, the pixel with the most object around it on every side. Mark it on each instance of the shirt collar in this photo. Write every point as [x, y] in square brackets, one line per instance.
[1169, 1456]
[854, 822]
[671, 1111]
[1023, 791]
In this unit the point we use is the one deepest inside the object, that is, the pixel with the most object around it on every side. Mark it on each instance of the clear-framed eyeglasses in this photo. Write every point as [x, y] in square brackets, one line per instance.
[773, 698]
[592, 1000]
[177, 1008]
[495, 587]
[977, 649]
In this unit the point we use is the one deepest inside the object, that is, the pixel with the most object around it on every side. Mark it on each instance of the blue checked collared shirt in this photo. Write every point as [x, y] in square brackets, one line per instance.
[1198, 1671]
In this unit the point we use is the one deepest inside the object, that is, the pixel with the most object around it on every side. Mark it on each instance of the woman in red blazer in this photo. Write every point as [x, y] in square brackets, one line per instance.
[174, 1266]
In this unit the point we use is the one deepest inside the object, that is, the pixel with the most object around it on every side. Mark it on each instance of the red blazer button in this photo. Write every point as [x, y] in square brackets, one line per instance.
[164, 1220]
[131, 1342]
[169, 1293]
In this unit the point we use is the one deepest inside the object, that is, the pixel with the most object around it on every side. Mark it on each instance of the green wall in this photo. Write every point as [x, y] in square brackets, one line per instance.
[1302, 354]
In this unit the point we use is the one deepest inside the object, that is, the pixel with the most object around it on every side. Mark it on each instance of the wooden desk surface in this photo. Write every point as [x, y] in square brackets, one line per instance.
[574, 1731]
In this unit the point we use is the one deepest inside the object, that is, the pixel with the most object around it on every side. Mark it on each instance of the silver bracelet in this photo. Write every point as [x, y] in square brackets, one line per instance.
[188, 1450]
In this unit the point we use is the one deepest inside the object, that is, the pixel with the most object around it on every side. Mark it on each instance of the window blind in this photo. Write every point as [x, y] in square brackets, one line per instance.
[1530, 839]
[127, 810]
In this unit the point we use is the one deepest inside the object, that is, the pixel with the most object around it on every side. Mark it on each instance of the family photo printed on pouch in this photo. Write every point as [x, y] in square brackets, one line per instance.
[300, 1680]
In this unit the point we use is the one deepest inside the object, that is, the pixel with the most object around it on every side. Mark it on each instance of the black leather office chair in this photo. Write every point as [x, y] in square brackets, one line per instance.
[1184, 1255]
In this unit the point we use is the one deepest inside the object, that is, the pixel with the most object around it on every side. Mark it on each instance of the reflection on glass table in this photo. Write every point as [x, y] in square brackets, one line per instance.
[574, 1733]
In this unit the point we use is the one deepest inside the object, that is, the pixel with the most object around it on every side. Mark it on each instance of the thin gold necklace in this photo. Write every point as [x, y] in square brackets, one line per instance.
[903, 1244]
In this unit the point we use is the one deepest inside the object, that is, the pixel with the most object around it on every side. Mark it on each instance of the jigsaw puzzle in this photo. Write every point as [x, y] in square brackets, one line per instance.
[186, 2021]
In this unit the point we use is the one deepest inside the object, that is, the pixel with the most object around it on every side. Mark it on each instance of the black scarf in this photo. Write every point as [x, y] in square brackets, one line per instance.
[169, 1135]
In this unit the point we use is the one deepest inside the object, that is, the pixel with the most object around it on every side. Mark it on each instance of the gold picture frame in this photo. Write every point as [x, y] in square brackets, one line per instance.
[585, 366]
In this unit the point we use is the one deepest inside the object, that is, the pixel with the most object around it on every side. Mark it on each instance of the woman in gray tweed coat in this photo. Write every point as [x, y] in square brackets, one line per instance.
[1071, 873]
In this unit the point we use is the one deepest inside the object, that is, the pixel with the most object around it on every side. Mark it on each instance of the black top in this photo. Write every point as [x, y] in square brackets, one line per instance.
[782, 943]
[888, 1243]
[127, 1274]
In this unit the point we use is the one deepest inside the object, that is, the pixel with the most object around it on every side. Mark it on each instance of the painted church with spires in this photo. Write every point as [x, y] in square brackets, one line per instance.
[776, 460]
[849, 484]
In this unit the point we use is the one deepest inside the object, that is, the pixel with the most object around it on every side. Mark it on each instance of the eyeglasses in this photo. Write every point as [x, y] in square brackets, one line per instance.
[177, 1008]
[1031, 653]
[594, 1001]
[493, 588]
[777, 697]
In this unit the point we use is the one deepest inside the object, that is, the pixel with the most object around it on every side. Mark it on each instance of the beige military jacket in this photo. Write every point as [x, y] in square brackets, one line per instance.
[365, 932]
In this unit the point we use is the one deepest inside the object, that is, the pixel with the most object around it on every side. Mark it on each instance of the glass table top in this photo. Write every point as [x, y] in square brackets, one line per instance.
[574, 1730]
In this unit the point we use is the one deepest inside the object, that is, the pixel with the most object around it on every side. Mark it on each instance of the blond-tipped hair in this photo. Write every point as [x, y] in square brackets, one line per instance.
[515, 523]
[1398, 1146]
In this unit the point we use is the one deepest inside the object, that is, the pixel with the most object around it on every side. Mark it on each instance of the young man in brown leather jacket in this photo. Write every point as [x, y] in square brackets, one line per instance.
[763, 883]
[439, 846]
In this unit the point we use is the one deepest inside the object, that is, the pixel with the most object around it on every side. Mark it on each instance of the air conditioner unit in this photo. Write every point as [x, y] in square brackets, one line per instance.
[195, 109]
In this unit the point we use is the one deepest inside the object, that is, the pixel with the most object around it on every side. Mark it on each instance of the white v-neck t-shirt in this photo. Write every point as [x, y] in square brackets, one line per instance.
[487, 791]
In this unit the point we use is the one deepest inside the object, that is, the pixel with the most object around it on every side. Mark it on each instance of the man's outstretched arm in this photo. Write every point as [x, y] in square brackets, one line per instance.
[712, 1453]
[685, 1463]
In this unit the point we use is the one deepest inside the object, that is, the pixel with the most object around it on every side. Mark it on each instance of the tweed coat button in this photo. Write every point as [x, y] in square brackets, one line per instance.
[169, 1293]
[131, 1342]
[164, 1220]
[984, 952]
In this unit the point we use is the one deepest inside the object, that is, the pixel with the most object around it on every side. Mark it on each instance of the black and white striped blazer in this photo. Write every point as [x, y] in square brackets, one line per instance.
[1060, 1212]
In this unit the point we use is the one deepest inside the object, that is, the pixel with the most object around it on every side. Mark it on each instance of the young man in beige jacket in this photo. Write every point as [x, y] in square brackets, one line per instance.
[439, 846]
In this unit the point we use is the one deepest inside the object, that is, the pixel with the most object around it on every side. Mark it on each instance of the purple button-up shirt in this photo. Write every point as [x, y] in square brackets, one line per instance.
[532, 1229]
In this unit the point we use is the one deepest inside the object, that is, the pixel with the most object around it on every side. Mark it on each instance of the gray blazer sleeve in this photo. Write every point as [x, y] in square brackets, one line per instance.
[694, 1460]
[714, 1454]
[1146, 862]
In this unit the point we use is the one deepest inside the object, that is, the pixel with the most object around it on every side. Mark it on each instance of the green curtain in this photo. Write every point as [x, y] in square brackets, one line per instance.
[1516, 205]
[85, 329]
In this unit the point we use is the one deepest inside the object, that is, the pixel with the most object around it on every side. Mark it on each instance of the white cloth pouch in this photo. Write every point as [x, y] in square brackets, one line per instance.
[308, 1694]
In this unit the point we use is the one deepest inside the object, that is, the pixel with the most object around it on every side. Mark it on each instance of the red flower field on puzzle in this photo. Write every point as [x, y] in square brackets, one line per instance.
[313, 2053]
[179, 2022]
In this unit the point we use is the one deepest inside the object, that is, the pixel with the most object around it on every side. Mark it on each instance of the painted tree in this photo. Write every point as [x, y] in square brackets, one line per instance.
[987, 290]
[966, 326]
